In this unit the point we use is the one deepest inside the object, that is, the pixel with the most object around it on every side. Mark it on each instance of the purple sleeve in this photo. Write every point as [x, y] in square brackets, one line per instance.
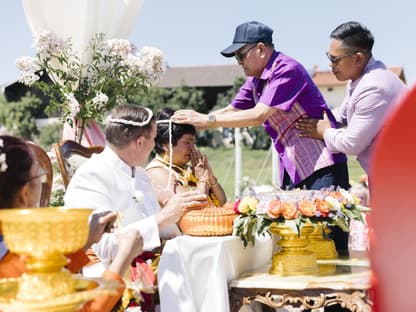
[244, 98]
[284, 87]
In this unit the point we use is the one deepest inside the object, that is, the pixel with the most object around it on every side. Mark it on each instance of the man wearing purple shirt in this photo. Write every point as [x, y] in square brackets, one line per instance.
[372, 91]
[277, 93]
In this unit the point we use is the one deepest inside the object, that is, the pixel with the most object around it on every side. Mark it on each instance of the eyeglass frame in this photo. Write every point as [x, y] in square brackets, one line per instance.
[336, 60]
[240, 56]
[43, 175]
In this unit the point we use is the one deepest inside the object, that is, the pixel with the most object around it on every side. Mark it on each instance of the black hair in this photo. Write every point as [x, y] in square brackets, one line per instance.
[19, 161]
[354, 36]
[178, 130]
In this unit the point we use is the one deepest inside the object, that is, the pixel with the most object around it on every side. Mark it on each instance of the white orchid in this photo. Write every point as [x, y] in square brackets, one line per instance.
[100, 99]
[73, 104]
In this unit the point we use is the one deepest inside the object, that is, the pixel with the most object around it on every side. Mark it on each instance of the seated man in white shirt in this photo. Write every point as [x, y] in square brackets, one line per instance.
[115, 180]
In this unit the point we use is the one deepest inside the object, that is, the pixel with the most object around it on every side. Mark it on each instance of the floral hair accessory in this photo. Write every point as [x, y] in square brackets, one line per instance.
[131, 122]
[3, 163]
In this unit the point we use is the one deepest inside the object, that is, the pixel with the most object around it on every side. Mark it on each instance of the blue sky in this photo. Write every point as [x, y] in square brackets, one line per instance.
[192, 32]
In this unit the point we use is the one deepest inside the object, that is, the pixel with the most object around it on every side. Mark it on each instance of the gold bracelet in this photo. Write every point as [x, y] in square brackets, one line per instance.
[214, 184]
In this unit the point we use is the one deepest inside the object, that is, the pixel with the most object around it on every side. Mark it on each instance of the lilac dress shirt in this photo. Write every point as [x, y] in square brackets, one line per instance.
[286, 86]
[367, 103]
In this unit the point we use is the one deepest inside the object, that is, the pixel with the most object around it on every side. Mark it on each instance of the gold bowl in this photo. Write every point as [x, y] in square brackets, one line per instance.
[41, 231]
[44, 235]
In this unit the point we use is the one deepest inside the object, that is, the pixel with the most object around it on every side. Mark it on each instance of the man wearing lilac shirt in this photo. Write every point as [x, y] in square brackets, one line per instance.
[277, 93]
[372, 91]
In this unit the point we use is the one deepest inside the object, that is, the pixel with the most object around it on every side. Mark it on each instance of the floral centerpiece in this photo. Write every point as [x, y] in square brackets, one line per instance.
[83, 92]
[326, 207]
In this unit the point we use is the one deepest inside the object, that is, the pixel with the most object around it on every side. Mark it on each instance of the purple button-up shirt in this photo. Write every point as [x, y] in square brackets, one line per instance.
[366, 105]
[286, 86]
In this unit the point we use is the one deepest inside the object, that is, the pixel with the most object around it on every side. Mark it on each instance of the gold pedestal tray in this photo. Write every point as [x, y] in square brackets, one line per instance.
[44, 235]
[85, 290]
[293, 258]
[323, 248]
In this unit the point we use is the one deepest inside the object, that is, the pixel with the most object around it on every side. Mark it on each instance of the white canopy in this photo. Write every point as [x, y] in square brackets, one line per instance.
[81, 19]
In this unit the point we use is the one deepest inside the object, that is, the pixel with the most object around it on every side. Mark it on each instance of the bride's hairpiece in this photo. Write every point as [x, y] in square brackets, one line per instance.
[131, 122]
[3, 163]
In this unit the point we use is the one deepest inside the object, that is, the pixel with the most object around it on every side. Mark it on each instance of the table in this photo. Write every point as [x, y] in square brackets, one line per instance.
[194, 272]
[346, 281]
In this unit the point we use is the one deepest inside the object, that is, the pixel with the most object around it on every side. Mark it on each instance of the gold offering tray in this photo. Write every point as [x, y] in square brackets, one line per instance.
[85, 290]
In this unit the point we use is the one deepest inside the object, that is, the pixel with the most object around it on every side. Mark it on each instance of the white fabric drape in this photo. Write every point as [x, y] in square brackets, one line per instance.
[81, 19]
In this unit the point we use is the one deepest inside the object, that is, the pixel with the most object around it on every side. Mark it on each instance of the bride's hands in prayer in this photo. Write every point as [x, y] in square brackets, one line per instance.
[200, 166]
[178, 204]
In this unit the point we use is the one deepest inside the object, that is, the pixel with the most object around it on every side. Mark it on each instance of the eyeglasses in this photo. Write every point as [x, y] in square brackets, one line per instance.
[42, 176]
[239, 56]
[336, 59]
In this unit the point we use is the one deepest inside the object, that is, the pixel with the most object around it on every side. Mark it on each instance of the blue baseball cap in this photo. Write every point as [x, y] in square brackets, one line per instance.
[250, 32]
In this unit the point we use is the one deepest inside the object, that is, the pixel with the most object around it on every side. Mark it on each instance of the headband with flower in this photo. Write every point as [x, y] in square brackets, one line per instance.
[3, 163]
[131, 122]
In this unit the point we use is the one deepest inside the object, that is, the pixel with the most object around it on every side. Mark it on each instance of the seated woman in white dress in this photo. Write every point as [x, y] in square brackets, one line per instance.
[178, 166]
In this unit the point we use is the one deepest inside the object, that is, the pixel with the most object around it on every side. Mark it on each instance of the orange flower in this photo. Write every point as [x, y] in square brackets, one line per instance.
[289, 210]
[275, 208]
[322, 206]
[307, 208]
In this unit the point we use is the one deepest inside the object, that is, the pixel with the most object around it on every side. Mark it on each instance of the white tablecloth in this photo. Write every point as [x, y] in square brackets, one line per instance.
[194, 272]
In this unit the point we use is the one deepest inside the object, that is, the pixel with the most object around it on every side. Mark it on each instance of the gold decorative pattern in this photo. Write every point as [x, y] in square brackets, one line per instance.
[356, 301]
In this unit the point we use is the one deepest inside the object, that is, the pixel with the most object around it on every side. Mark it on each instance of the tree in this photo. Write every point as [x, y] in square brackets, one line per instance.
[19, 117]
[156, 98]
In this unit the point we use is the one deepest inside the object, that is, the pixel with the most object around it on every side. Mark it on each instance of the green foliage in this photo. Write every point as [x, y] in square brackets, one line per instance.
[182, 97]
[50, 134]
[226, 98]
[19, 117]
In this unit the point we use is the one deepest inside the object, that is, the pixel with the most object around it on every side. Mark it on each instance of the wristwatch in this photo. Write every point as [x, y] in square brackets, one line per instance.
[212, 119]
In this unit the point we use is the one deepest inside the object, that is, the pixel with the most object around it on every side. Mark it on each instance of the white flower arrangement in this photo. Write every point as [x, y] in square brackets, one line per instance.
[114, 74]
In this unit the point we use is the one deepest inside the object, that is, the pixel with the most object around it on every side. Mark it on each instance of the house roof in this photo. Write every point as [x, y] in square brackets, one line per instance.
[201, 76]
[225, 76]
[327, 78]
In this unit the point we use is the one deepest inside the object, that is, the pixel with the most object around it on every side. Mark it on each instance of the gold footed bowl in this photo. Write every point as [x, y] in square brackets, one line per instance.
[293, 257]
[43, 235]
[84, 291]
[323, 248]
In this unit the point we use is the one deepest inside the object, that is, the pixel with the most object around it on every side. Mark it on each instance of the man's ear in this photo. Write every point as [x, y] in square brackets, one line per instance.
[139, 141]
[359, 58]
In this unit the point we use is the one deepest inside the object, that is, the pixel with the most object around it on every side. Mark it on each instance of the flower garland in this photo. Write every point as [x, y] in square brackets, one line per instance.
[311, 207]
